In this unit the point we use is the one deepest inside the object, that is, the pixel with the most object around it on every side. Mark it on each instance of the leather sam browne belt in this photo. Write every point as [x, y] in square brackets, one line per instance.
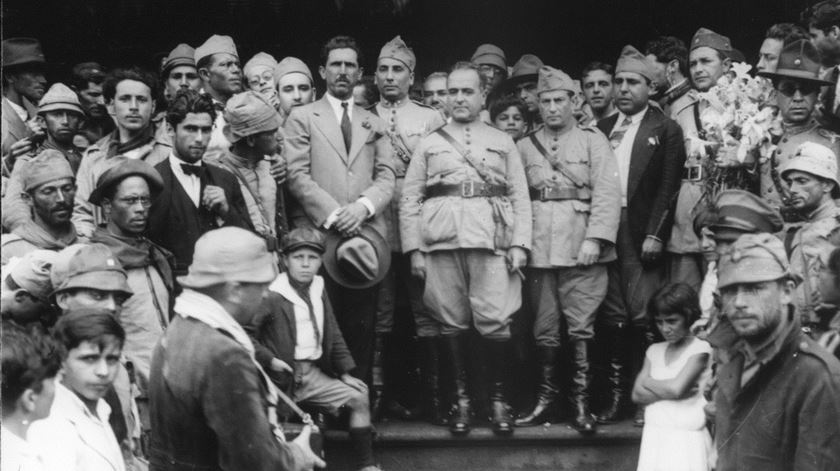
[469, 189]
[558, 194]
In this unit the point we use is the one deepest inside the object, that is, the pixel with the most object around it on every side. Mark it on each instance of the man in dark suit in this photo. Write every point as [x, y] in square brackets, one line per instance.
[196, 196]
[24, 84]
[649, 149]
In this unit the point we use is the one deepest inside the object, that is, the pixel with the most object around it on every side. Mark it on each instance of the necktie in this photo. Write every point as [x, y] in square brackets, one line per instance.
[303, 292]
[346, 131]
[618, 133]
[195, 170]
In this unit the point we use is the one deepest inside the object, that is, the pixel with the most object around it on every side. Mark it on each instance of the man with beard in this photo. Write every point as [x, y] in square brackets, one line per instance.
[341, 172]
[218, 67]
[823, 23]
[599, 90]
[295, 86]
[669, 57]
[400, 303]
[434, 92]
[48, 189]
[86, 80]
[797, 83]
[24, 84]
[60, 114]
[129, 94]
[179, 72]
[777, 36]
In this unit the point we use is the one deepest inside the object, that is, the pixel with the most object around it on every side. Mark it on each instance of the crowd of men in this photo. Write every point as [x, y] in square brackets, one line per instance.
[214, 237]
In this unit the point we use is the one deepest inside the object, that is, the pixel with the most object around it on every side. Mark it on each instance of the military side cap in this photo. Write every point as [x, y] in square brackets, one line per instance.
[753, 258]
[815, 159]
[229, 254]
[705, 37]
[31, 272]
[260, 59]
[183, 54]
[490, 54]
[631, 60]
[60, 97]
[48, 166]
[396, 49]
[357, 262]
[303, 237]
[798, 60]
[550, 79]
[249, 113]
[94, 266]
[291, 65]
[737, 212]
[18, 51]
[121, 168]
[216, 44]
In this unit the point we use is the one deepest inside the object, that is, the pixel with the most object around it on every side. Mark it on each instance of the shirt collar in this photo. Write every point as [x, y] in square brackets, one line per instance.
[634, 119]
[762, 354]
[336, 103]
[70, 404]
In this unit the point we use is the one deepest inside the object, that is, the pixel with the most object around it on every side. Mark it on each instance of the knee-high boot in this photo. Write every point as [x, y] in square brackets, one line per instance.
[615, 342]
[583, 422]
[431, 379]
[500, 357]
[455, 354]
[547, 391]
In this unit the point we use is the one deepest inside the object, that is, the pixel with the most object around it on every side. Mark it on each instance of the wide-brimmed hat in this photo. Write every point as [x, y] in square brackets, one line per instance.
[19, 51]
[525, 70]
[122, 168]
[229, 254]
[799, 60]
[490, 54]
[357, 262]
[60, 97]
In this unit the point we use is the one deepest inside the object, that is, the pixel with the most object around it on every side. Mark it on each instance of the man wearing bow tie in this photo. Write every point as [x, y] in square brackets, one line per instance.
[196, 196]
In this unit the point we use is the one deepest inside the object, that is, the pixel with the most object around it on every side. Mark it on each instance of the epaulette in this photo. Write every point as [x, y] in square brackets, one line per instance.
[828, 134]
[588, 127]
[420, 103]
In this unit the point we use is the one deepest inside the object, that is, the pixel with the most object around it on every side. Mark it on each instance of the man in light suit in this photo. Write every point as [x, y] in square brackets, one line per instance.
[341, 172]
[649, 149]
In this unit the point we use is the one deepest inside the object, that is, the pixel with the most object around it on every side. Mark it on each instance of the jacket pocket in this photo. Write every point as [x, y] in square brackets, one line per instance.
[503, 219]
[439, 226]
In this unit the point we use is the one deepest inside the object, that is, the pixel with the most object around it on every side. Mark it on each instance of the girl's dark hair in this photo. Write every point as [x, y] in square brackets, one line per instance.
[28, 358]
[505, 102]
[675, 298]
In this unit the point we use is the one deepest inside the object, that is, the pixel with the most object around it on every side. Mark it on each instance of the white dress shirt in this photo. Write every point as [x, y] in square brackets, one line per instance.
[625, 149]
[17, 453]
[190, 183]
[306, 348]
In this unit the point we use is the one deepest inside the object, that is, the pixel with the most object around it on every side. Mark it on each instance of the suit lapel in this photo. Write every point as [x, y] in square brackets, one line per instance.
[324, 119]
[642, 151]
[360, 133]
[17, 128]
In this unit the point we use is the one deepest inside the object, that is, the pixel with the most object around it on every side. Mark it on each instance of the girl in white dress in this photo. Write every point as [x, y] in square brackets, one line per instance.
[675, 437]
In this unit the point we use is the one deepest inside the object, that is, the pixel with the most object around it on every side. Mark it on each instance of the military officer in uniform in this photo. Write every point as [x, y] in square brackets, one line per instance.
[401, 294]
[465, 220]
[797, 82]
[576, 203]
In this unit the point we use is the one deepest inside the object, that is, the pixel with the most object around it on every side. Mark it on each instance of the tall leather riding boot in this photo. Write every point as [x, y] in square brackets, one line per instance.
[583, 422]
[642, 338]
[377, 371]
[500, 355]
[547, 391]
[398, 376]
[615, 342]
[454, 349]
[430, 373]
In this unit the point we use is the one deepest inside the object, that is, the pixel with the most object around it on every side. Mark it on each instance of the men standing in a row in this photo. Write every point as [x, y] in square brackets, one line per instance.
[24, 84]
[401, 297]
[669, 57]
[341, 172]
[576, 201]
[218, 67]
[465, 220]
[650, 153]
[196, 196]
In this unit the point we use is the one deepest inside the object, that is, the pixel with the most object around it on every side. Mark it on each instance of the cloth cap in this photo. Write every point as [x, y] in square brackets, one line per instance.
[289, 65]
[396, 49]
[303, 237]
[490, 54]
[554, 79]
[60, 97]
[216, 44]
[739, 211]
[631, 60]
[815, 159]
[17, 51]
[94, 266]
[48, 166]
[121, 168]
[753, 258]
[183, 54]
[229, 254]
[705, 37]
[357, 262]
[89, 70]
[798, 60]
[249, 113]
[32, 272]
[61, 264]
[260, 59]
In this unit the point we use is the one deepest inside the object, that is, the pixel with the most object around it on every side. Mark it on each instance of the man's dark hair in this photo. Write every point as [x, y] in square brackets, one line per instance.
[371, 93]
[464, 65]
[667, 49]
[28, 358]
[592, 66]
[341, 42]
[675, 298]
[189, 101]
[500, 105]
[433, 75]
[109, 87]
[822, 16]
[787, 33]
[85, 73]
[97, 326]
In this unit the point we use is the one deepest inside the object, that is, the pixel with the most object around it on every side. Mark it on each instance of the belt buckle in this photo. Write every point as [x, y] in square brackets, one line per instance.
[545, 192]
[468, 189]
[694, 173]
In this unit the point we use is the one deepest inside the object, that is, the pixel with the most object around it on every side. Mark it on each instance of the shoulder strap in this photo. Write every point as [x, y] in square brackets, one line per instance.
[465, 153]
[542, 150]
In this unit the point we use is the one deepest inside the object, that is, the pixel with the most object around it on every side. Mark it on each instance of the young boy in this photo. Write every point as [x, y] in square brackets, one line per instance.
[300, 336]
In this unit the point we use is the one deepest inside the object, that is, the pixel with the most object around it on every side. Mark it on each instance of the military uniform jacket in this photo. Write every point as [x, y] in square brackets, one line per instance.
[810, 247]
[323, 176]
[560, 226]
[407, 123]
[454, 222]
